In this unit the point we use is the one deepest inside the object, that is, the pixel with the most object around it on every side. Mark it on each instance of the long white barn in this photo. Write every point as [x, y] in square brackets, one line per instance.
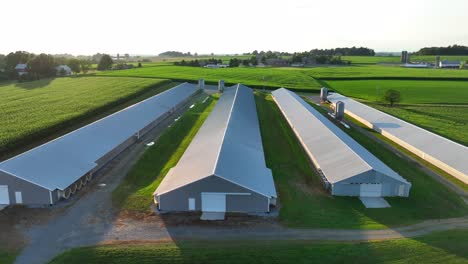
[347, 168]
[448, 155]
[58, 168]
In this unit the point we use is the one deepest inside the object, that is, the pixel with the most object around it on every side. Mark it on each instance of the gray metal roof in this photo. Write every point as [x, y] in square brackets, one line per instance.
[333, 151]
[228, 145]
[59, 163]
[451, 153]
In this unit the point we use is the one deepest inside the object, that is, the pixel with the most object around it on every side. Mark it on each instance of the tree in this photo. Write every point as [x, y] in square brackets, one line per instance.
[12, 59]
[392, 96]
[75, 65]
[105, 63]
[85, 66]
[43, 65]
[139, 65]
[2, 62]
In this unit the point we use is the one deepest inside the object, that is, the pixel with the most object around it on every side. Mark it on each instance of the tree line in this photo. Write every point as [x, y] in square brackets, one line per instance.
[450, 50]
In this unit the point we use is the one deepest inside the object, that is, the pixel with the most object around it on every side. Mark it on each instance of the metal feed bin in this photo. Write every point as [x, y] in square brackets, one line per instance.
[323, 94]
[221, 86]
[201, 84]
[339, 110]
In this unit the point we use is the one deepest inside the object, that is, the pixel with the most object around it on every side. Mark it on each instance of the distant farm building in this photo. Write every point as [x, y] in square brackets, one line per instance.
[346, 168]
[441, 152]
[416, 65]
[449, 64]
[59, 168]
[63, 70]
[215, 66]
[21, 69]
[223, 169]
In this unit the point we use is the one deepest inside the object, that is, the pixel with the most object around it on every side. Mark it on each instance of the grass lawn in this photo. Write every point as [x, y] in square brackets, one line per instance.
[271, 77]
[304, 203]
[7, 257]
[450, 122]
[135, 192]
[34, 110]
[441, 247]
[412, 92]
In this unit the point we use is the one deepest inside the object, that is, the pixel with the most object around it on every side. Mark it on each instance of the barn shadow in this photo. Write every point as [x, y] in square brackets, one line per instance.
[30, 85]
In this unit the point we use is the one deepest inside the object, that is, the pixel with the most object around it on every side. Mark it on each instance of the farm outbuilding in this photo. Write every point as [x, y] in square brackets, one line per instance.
[441, 152]
[57, 169]
[223, 169]
[346, 168]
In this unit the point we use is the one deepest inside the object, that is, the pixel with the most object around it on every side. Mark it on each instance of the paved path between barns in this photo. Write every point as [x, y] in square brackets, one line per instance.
[90, 220]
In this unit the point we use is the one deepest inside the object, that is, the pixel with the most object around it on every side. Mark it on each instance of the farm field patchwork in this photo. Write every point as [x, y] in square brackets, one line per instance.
[34, 110]
[412, 91]
[371, 59]
[440, 247]
[305, 204]
[270, 77]
[135, 192]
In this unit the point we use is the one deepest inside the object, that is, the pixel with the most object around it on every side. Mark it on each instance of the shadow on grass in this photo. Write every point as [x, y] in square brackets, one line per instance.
[34, 84]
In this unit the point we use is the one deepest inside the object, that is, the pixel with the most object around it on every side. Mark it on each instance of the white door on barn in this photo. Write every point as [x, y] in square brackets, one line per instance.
[213, 202]
[4, 196]
[370, 190]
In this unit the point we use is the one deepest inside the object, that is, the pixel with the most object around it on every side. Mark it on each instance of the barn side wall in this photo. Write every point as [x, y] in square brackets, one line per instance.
[32, 194]
[177, 200]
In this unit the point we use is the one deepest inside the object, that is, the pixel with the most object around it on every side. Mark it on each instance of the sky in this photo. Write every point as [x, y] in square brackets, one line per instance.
[228, 27]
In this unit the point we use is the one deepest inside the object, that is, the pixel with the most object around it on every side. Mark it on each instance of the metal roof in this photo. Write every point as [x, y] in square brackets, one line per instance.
[228, 145]
[451, 153]
[60, 162]
[335, 153]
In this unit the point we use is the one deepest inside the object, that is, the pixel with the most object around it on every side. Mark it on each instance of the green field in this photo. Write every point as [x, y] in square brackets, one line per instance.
[412, 92]
[135, 192]
[305, 204]
[431, 59]
[33, 110]
[8, 257]
[441, 247]
[272, 77]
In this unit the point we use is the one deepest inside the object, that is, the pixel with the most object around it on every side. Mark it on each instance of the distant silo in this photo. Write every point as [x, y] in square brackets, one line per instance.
[201, 84]
[221, 86]
[323, 94]
[404, 57]
[437, 62]
[339, 110]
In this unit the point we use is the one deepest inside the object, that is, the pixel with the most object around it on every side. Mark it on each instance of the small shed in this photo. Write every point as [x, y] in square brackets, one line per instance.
[63, 70]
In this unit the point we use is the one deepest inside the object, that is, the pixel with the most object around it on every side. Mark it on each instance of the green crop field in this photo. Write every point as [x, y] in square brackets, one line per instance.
[272, 77]
[305, 204]
[135, 192]
[34, 110]
[431, 59]
[412, 92]
[440, 247]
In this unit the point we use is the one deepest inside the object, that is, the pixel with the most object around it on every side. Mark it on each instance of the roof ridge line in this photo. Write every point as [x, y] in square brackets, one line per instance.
[225, 130]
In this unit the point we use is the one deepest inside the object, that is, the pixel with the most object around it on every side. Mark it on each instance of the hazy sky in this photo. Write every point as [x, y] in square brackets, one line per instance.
[235, 26]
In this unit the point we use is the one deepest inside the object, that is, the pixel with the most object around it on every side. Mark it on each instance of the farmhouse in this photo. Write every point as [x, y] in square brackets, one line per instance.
[449, 64]
[346, 168]
[63, 70]
[59, 168]
[21, 69]
[441, 152]
[223, 169]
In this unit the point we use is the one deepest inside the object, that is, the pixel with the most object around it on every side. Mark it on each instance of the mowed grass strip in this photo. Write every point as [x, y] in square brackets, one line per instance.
[33, 110]
[412, 92]
[305, 204]
[441, 247]
[135, 192]
[258, 77]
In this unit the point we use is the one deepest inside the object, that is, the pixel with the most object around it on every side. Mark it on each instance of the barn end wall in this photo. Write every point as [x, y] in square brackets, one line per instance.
[177, 200]
[390, 186]
[32, 194]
